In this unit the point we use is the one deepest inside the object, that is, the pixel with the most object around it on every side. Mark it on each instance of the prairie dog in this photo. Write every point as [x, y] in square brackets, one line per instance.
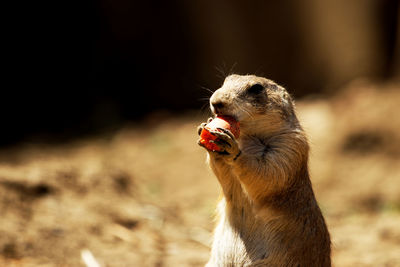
[268, 215]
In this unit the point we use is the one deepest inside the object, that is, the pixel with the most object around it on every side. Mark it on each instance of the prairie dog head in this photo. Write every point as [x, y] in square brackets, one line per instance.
[259, 104]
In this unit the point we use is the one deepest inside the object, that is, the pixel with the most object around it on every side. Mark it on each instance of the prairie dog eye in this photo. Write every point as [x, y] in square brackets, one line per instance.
[255, 89]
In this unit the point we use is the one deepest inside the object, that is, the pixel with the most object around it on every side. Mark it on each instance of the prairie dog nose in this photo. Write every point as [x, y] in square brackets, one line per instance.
[217, 106]
[217, 103]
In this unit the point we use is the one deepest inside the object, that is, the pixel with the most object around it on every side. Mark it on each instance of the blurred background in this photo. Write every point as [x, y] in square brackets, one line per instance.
[101, 100]
[92, 66]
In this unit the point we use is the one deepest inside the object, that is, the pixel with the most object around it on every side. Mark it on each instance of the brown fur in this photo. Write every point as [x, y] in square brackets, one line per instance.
[268, 215]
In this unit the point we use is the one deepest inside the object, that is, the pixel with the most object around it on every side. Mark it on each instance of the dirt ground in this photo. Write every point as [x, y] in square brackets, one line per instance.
[144, 196]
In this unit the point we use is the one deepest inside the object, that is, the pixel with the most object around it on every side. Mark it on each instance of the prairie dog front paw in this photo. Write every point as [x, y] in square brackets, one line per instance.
[226, 142]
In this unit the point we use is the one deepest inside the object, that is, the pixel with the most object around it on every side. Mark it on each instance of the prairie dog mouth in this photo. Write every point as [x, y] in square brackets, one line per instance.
[219, 108]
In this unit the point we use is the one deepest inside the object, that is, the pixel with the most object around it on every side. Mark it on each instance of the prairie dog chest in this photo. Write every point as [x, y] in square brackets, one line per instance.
[252, 146]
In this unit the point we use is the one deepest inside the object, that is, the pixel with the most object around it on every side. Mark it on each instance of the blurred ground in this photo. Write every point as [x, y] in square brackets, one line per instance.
[145, 197]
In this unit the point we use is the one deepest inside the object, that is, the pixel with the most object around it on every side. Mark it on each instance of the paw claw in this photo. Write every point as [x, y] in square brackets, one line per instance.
[229, 133]
[226, 142]
[201, 127]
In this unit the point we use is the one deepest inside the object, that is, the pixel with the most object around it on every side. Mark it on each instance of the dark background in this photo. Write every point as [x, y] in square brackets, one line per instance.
[79, 68]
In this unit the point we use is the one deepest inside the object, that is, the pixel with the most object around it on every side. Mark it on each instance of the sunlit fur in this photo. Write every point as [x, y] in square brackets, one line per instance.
[268, 215]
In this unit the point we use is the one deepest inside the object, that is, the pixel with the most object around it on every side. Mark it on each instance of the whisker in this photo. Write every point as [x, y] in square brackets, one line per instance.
[203, 99]
[236, 105]
[244, 110]
[221, 73]
[207, 89]
[204, 110]
[248, 113]
[204, 106]
[231, 69]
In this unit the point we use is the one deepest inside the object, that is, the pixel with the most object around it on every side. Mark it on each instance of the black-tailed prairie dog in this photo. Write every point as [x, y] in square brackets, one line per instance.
[268, 215]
